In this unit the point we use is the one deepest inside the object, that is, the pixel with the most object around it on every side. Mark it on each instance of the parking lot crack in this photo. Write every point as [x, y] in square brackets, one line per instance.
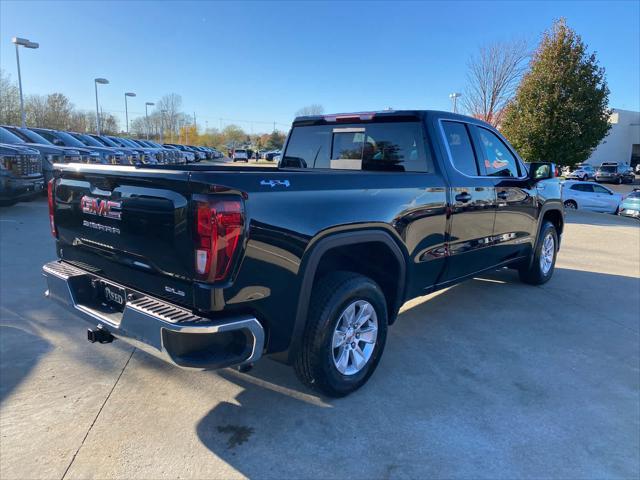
[73, 459]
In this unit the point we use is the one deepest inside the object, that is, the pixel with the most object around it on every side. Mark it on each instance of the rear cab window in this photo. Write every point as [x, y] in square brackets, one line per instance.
[383, 147]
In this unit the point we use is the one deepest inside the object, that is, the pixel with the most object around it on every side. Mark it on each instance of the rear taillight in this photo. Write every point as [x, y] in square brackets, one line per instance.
[218, 229]
[52, 222]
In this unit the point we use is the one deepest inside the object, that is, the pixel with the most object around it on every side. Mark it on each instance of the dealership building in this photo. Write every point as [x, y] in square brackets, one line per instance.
[622, 144]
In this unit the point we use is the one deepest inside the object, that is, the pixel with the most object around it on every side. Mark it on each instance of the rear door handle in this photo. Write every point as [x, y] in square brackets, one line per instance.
[503, 195]
[463, 197]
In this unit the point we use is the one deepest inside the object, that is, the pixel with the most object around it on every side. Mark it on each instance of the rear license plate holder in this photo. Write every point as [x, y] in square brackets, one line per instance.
[112, 296]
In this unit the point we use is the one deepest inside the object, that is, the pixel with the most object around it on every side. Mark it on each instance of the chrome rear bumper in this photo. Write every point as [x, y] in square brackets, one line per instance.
[167, 331]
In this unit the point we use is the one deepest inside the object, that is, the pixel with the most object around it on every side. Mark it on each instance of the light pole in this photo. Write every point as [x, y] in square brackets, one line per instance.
[146, 115]
[162, 112]
[17, 41]
[96, 81]
[454, 98]
[126, 109]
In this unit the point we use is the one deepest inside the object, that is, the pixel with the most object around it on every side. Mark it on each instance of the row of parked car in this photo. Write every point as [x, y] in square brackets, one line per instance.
[608, 172]
[244, 154]
[27, 155]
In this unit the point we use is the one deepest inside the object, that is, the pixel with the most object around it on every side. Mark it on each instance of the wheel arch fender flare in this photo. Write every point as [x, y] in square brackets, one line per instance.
[557, 206]
[311, 262]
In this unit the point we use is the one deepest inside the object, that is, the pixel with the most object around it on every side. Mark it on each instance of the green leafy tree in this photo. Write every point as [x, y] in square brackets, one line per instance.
[560, 112]
[276, 140]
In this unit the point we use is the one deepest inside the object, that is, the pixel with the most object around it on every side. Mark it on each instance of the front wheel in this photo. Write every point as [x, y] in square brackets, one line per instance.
[571, 205]
[539, 269]
[345, 334]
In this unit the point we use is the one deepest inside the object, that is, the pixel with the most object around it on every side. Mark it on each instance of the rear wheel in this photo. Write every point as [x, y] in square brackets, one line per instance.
[345, 334]
[571, 205]
[540, 268]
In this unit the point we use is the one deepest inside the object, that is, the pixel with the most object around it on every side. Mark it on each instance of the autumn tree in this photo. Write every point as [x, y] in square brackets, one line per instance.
[492, 77]
[560, 111]
[276, 140]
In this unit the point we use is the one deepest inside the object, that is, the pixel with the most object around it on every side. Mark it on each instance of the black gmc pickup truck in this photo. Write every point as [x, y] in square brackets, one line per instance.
[209, 266]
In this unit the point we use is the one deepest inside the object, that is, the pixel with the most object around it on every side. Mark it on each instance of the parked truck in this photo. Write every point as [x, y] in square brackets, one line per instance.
[211, 266]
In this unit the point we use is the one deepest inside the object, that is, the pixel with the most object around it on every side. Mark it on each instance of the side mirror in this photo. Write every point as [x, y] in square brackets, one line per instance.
[541, 171]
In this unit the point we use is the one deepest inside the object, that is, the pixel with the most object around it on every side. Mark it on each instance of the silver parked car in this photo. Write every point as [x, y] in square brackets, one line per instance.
[583, 171]
[590, 196]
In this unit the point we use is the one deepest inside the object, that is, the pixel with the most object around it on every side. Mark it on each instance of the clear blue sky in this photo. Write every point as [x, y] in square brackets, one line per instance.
[262, 61]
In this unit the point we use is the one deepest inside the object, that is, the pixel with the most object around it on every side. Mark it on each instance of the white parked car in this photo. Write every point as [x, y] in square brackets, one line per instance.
[590, 196]
[240, 155]
[583, 171]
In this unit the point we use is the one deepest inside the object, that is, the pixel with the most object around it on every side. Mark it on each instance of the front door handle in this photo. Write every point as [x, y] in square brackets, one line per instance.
[503, 195]
[463, 197]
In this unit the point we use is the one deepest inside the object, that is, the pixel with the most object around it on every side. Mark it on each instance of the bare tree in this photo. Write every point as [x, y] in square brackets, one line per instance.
[492, 79]
[9, 100]
[313, 109]
[36, 110]
[171, 104]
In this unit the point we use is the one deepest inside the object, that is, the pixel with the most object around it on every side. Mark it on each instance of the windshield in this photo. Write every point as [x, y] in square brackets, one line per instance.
[124, 142]
[29, 136]
[7, 137]
[68, 140]
[105, 142]
[634, 195]
[608, 168]
[87, 140]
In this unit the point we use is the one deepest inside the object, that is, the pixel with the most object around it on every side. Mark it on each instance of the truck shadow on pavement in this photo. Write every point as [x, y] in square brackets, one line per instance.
[505, 379]
[20, 352]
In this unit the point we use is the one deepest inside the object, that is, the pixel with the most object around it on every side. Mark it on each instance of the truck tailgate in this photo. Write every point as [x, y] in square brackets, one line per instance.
[129, 225]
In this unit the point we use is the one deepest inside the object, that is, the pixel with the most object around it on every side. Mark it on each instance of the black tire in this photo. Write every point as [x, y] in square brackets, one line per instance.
[314, 364]
[532, 272]
[619, 181]
[571, 204]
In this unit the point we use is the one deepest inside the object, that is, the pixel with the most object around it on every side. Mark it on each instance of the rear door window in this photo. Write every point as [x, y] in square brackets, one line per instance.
[392, 147]
[601, 189]
[582, 187]
[460, 147]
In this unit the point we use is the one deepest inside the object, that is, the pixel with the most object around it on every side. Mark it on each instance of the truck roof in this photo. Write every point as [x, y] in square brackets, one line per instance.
[378, 116]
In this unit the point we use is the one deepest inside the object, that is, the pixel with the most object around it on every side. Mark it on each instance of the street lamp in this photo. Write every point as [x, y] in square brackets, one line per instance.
[454, 98]
[96, 81]
[146, 115]
[162, 112]
[22, 42]
[126, 109]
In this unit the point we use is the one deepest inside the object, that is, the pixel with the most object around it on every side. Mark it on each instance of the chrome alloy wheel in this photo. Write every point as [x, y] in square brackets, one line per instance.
[547, 253]
[354, 337]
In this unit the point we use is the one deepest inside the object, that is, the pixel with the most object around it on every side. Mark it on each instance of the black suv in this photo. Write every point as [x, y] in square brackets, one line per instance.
[615, 173]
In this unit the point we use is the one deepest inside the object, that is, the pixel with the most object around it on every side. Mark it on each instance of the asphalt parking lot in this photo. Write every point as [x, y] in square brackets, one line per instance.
[488, 379]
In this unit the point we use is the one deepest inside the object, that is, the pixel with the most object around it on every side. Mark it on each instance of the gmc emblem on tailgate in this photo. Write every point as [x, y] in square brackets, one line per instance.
[101, 208]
